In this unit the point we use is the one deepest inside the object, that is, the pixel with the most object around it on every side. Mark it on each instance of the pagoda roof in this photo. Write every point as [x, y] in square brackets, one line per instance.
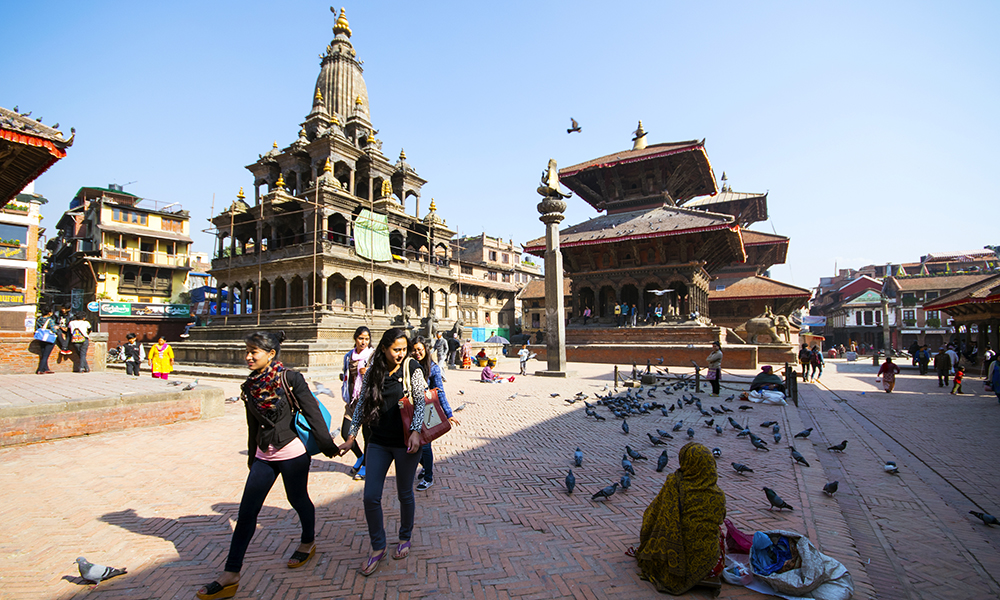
[982, 292]
[686, 173]
[29, 148]
[756, 286]
[746, 207]
[919, 283]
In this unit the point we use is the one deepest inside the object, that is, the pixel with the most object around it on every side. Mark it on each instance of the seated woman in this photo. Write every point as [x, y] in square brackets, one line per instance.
[767, 380]
[488, 376]
[682, 535]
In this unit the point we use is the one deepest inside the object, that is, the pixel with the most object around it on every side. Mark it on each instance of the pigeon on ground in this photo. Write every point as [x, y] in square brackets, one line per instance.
[731, 398]
[717, 452]
[460, 393]
[891, 468]
[709, 422]
[760, 445]
[626, 482]
[190, 386]
[744, 433]
[655, 440]
[831, 488]
[570, 482]
[777, 438]
[735, 424]
[232, 399]
[664, 434]
[716, 410]
[690, 433]
[839, 447]
[633, 454]
[746, 408]
[627, 465]
[322, 389]
[775, 500]
[578, 457]
[661, 462]
[768, 423]
[725, 409]
[798, 457]
[718, 430]
[741, 468]
[678, 425]
[624, 426]
[600, 418]
[175, 383]
[804, 434]
[555, 395]
[776, 428]
[97, 573]
[985, 518]
[458, 408]
[606, 492]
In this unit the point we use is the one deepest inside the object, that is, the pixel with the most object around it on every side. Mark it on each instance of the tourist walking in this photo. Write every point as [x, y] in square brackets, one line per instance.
[942, 364]
[378, 414]
[888, 372]
[134, 355]
[714, 372]
[467, 354]
[956, 387]
[426, 476]
[45, 322]
[355, 364]
[805, 357]
[816, 362]
[271, 395]
[913, 349]
[79, 332]
[161, 359]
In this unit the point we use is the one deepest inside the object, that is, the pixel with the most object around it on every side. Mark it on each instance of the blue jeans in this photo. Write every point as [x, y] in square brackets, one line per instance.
[43, 356]
[295, 475]
[427, 461]
[377, 461]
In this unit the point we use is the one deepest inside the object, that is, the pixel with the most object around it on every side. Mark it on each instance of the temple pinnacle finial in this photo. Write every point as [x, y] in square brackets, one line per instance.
[358, 101]
[433, 206]
[341, 26]
[371, 137]
[402, 154]
[639, 139]
[318, 97]
[241, 195]
[280, 184]
[326, 167]
[275, 144]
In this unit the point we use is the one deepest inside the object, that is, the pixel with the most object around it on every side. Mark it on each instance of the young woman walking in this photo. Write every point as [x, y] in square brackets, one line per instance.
[355, 365]
[274, 448]
[435, 380]
[386, 441]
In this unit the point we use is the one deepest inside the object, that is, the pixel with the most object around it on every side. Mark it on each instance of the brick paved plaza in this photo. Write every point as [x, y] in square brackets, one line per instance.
[162, 500]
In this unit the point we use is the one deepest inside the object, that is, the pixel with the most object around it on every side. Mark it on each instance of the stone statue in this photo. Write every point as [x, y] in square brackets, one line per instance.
[784, 328]
[550, 182]
[431, 328]
[386, 189]
[768, 324]
[458, 330]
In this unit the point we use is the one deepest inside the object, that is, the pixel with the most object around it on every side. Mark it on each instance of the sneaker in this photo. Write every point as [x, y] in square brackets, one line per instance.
[420, 475]
[357, 466]
[360, 475]
[424, 484]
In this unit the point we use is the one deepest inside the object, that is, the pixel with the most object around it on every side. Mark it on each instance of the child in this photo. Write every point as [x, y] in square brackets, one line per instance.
[134, 355]
[523, 354]
[161, 358]
[959, 373]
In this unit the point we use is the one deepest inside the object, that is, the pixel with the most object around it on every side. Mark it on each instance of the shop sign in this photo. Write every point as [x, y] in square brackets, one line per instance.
[135, 309]
[11, 298]
[93, 306]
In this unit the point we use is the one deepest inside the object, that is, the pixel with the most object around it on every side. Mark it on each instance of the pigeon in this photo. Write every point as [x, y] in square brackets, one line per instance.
[716, 410]
[735, 424]
[804, 434]
[717, 452]
[97, 573]
[678, 425]
[633, 454]
[831, 488]
[322, 389]
[985, 518]
[655, 440]
[600, 418]
[775, 500]
[459, 407]
[768, 423]
[839, 447]
[777, 438]
[798, 457]
[744, 433]
[460, 393]
[741, 468]
[746, 408]
[606, 492]
[731, 398]
[190, 386]
[627, 465]
[690, 433]
[175, 383]
[556, 395]
[761, 445]
[570, 482]
[626, 482]
[891, 468]
[624, 426]
[232, 399]
[578, 457]
[709, 422]
[718, 430]
[661, 462]
[664, 434]
[725, 409]
[776, 428]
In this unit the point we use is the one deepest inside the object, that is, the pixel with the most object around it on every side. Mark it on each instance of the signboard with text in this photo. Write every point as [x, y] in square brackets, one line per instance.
[11, 298]
[135, 309]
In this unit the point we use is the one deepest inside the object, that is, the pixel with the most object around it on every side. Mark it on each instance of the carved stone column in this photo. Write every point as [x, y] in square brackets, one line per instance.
[551, 209]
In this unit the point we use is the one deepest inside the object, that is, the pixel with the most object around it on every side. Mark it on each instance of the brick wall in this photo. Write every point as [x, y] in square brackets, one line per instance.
[19, 354]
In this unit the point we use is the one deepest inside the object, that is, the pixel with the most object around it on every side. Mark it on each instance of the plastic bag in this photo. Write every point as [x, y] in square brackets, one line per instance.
[816, 575]
[736, 572]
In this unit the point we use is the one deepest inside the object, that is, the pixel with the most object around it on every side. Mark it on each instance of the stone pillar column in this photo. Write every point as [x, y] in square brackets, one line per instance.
[270, 304]
[322, 291]
[551, 209]
[308, 292]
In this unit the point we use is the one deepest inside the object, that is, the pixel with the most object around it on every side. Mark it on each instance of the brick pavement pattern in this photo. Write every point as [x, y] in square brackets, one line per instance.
[162, 501]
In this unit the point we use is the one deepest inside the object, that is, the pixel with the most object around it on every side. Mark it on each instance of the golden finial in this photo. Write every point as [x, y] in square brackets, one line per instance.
[341, 26]
[319, 96]
[275, 145]
[358, 100]
[433, 206]
[241, 195]
[280, 184]
[336, 121]
[327, 168]
[371, 137]
[402, 154]
[386, 188]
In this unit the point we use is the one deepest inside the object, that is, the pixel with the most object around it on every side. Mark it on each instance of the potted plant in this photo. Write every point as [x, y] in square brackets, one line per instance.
[934, 322]
[909, 322]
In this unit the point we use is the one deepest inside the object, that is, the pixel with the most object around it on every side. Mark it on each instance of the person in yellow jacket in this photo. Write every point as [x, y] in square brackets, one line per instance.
[161, 358]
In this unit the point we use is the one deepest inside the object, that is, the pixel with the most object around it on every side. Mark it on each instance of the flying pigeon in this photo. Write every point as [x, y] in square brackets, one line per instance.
[831, 488]
[839, 447]
[578, 457]
[190, 386]
[775, 500]
[798, 457]
[985, 518]
[804, 434]
[97, 573]
[575, 128]
[322, 389]
[570, 482]
[661, 462]
[741, 468]
[606, 492]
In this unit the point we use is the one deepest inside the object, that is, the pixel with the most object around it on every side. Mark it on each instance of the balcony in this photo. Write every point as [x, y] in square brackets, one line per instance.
[134, 255]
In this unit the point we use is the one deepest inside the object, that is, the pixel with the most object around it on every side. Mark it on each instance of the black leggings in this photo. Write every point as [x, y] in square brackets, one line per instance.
[295, 475]
[345, 426]
[715, 382]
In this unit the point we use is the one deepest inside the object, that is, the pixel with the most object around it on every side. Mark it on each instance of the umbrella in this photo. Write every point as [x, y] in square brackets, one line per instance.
[496, 339]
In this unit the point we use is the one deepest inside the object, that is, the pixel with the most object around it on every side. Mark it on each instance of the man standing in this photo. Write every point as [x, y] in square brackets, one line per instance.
[618, 314]
[79, 329]
[942, 364]
[453, 346]
[954, 359]
[923, 359]
[440, 351]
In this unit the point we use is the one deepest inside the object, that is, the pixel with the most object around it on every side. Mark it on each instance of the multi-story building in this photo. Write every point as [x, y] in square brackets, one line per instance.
[491, 272]
[532, 299]
[128, 255]
[858, 318]
[19, 233]
[912, 293]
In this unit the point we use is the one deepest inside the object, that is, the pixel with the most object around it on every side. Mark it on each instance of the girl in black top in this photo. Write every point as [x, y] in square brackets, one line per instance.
[377, 414]
[273, 448]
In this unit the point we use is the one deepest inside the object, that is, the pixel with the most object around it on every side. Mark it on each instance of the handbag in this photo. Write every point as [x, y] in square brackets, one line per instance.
[299, 421]
[46, 336]
[711, 375]
[435, 423]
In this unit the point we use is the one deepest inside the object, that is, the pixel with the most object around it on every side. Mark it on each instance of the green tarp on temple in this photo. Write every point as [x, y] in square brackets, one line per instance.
[371, 236]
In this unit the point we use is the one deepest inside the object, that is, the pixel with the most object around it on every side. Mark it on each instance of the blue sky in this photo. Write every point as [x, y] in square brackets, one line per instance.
[873, 126]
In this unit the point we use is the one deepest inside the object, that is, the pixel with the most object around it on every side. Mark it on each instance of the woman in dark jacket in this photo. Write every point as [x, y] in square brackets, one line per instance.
[387, 440]
[45, 321]
[274, 448]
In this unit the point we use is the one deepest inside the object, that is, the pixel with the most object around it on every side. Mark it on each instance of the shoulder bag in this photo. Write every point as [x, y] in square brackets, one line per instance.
[435, 422]
[44, 334]
[299, 421]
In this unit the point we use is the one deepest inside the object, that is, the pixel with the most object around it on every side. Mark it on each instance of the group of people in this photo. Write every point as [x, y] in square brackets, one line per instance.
[375, 383]
[812, 363]
[627, 315]
[71, 333]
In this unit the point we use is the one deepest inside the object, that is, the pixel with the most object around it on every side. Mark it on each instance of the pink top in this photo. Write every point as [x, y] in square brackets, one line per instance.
[292, 449]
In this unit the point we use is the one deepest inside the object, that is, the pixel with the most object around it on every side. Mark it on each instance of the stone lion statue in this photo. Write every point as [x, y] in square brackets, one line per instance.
[768, 324]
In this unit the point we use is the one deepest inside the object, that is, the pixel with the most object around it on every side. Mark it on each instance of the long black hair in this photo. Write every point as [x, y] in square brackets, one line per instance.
[266, 340]
[425, 364]
[378, 368]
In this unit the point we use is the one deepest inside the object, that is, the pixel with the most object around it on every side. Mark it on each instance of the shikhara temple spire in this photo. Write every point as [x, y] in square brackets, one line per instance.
[340, 79]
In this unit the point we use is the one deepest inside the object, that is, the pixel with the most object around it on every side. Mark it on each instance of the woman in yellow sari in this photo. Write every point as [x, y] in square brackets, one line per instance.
[679, 544]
